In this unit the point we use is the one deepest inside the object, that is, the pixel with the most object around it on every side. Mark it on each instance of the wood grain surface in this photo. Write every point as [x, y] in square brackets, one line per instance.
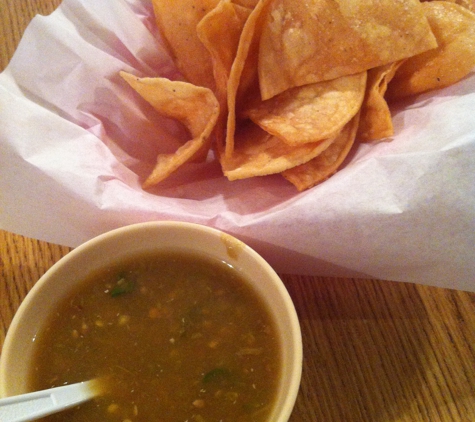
[374, 350]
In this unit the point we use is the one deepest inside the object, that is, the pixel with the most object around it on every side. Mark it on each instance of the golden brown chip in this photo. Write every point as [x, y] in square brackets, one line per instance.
[325, 164]
[454, 28]
[258, 153]
[177, 21]
[468, 4]
[284, 86]
[196, 107]
[375, 117]
[243, 74]
[246, 3]
[310, 41]
[311, 112]
[219, 31]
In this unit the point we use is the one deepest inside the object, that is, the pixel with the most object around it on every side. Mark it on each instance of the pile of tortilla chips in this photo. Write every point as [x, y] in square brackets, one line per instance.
[289, 86]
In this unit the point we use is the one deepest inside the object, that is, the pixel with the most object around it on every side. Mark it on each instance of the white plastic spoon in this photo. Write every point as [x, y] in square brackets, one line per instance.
[31, 406]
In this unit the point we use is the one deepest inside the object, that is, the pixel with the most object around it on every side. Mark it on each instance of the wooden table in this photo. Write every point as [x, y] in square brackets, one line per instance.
[373, 350]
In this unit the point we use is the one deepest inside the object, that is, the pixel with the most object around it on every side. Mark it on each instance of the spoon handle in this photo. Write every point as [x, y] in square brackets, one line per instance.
[31, 406]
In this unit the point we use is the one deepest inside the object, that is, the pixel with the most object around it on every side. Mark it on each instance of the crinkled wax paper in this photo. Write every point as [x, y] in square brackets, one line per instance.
[76, 143]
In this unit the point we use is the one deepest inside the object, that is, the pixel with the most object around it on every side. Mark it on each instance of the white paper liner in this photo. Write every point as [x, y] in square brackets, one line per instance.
[77, 142]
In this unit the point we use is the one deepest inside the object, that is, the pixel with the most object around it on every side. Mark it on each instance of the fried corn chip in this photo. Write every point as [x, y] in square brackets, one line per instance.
[219, 31]
[375, 117]
[468, 4]
[243, 74]
[454, 28]
[311, 112]
[287, 86]
[305, 42]
[258, 153]
[246, 3]
[177, 21]
[325, 164]
[196, 107]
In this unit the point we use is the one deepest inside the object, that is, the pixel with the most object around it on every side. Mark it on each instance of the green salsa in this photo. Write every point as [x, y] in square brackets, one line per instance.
[173, 336]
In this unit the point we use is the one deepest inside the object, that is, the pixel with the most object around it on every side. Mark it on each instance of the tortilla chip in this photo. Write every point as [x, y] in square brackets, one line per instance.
[311, 41]
[284, 86]
[251, 4]
[177, 21]
[468, 4]
[196, 107]
[219, 31]
[454, 28]
[311, 112]
[325, 164]
[375, 119]
[243, 74]
[258, 153]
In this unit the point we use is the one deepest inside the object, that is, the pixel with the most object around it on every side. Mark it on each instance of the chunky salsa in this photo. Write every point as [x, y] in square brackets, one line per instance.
[174, 337]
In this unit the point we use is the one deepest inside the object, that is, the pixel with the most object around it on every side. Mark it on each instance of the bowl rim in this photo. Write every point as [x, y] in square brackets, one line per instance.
[295, 334]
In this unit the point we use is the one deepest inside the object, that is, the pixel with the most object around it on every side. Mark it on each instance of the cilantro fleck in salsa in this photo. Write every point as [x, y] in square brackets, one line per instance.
[176, 337]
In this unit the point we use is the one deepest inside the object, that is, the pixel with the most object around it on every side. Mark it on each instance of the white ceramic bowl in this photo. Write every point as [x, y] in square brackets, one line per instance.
[60, 279]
